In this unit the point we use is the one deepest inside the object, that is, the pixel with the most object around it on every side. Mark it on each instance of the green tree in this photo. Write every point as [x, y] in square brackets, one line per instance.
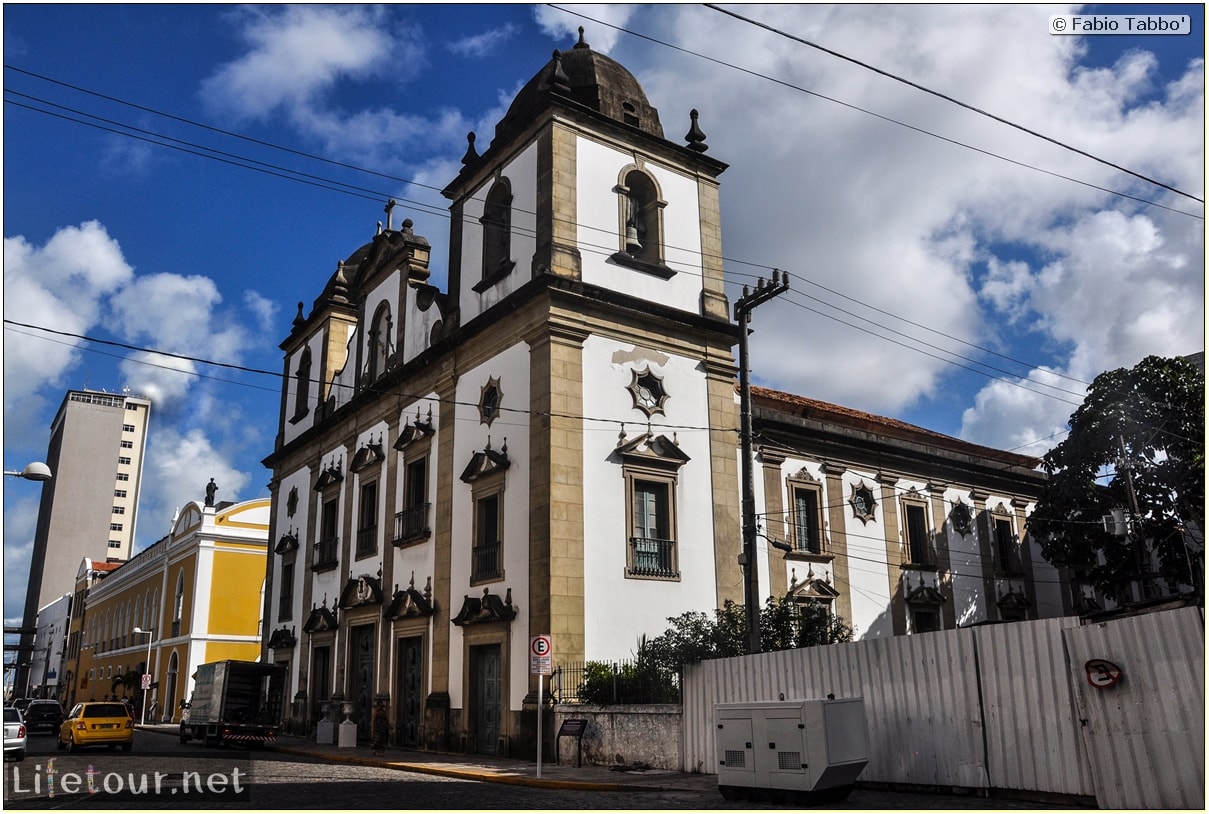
[1137, 444]
[784, 624]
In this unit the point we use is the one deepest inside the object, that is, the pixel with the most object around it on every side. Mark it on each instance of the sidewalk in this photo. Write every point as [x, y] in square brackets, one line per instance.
[603, 778]
[490, 769]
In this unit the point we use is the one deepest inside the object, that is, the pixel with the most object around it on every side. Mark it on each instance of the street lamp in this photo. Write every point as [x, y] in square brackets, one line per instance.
[36, 471]
[150, 639]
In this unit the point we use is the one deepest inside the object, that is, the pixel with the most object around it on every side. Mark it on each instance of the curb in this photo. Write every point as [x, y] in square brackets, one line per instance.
[466, 774]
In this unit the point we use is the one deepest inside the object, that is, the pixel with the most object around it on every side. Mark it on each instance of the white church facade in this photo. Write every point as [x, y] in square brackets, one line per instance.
[550, 446]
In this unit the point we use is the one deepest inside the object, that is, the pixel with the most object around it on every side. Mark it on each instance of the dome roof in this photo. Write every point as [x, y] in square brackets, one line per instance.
[590, 79]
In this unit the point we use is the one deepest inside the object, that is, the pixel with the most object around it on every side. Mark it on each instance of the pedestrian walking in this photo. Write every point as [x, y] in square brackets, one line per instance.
[379, 728]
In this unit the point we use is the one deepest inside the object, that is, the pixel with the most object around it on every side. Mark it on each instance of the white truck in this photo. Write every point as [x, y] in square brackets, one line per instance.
[235, 702]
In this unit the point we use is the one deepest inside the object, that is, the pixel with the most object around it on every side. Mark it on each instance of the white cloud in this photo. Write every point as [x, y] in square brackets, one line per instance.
[481, 45]
[264, 309]
[165, 380]
[300, 57]
[176, 471]
[906, 228]
[297, 55]
[61, 285]
[564, 25]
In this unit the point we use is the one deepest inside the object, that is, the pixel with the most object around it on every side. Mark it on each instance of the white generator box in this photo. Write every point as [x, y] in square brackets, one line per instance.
[814, 749]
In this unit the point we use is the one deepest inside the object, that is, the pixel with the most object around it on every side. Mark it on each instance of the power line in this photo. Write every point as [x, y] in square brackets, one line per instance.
[947, 98]
[400, 394]
[243, 162]
[885, 118]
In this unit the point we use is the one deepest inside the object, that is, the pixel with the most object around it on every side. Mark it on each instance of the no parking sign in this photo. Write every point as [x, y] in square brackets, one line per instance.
[541, 655]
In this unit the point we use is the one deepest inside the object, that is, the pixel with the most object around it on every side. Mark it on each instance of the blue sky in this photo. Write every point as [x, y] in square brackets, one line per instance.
[942, 271]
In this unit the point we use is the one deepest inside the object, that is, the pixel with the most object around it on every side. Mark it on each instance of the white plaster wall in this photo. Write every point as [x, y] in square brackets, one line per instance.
[301, 480]
[868, 571]
[511, 367]
[417, 324]
[598, 169]
[521, 172]
[965, 562]
[618, 610]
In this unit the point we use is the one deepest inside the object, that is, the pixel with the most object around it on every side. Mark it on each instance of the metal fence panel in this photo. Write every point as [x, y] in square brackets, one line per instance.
[1032, 731]
[1145, 734]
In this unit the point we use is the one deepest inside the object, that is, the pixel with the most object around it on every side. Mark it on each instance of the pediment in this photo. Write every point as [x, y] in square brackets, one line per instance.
[320, 620]
[486, 462]
[287, 543]
[487, 608]
[367, 456]
[364, 590]
[409, 604]
[415, 431]
[926, 595]
[650, 449]
[283, 639]
[329, 477]
[814, 589]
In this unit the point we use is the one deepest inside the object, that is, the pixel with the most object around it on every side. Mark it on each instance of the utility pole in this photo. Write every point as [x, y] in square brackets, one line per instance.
[751, 577]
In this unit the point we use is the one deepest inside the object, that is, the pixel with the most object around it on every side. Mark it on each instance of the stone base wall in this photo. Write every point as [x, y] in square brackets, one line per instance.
[645, 735]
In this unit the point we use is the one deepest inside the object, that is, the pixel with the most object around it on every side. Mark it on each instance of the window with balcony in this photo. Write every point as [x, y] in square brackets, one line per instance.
[487, 561]
[652, 549]
[411, 523]
[367, 520]
[486, 475]
[327, 548]
[650, 467]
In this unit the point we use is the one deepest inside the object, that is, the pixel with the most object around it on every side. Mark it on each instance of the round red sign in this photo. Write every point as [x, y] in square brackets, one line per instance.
[1102, 673]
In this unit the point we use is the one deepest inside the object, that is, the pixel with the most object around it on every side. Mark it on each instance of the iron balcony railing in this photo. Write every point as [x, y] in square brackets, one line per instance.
[326, 553]
[367, 541]
[485, 562]
[412, 524]
[653, 558]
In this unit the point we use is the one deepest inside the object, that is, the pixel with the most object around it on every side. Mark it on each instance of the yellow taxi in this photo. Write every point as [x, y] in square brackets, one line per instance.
[97, 723]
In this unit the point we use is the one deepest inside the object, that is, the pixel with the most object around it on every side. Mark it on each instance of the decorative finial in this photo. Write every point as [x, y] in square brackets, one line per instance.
[581, 43]
[299, 320]
[390, 213]
[559, 83]
[472, 154]
[694, 136]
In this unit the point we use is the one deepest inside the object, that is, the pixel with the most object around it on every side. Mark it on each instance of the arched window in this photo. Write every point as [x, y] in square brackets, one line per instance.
[497, 231]
[641, 223]
[179, 605]
[302, 384]
[379, 342]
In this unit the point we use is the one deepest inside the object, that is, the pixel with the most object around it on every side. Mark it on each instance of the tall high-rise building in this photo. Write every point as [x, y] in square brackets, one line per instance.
[88, 509]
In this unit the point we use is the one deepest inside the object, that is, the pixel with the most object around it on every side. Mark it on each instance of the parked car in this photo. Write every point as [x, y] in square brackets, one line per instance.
[43, 714]
[14, 734]
[21, 704]
[97, 723]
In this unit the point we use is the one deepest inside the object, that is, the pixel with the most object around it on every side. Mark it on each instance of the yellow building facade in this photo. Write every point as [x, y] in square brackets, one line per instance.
[193, 597]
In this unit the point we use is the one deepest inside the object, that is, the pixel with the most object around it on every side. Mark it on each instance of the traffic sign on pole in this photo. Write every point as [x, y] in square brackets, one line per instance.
[541, 655]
